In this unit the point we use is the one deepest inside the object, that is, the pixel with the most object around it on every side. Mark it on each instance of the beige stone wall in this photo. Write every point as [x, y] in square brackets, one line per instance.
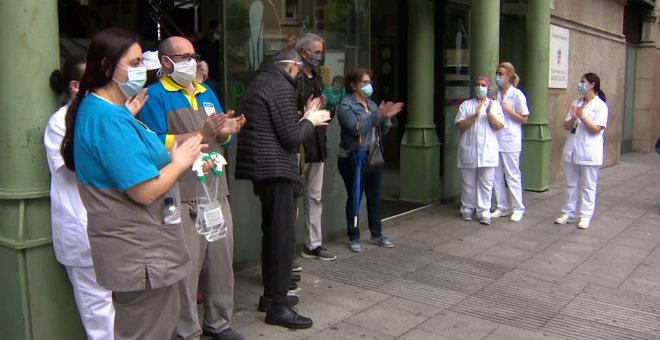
[596, 45]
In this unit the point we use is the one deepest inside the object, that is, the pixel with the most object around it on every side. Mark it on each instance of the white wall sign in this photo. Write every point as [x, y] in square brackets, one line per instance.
[559, 59]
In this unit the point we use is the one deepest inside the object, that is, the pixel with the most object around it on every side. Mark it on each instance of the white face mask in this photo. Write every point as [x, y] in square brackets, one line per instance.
[184, 72]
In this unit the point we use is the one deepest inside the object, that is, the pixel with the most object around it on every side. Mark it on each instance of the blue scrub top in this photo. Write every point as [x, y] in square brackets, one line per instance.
[112, 149]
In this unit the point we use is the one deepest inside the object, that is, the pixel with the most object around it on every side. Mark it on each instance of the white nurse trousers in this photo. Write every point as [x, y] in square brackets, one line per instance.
[509, 169]
[584, 178]
[477, 190]
[94, 303]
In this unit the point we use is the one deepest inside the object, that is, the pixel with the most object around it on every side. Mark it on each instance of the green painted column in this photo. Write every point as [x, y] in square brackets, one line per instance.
[537, 147]
[35, 293]
[485, 39]
[420, 147]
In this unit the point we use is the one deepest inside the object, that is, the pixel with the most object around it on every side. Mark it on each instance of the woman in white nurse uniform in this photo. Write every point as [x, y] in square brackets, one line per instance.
[583, 151]
[514, 105]
[69, 217]
[478, 119]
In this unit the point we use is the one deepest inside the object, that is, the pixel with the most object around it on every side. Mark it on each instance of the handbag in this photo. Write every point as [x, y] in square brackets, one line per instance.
[374, 154]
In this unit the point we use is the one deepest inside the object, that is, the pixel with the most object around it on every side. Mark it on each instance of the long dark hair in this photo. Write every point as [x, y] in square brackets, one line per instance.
[71, 70]
[593, 78]
[105, 50]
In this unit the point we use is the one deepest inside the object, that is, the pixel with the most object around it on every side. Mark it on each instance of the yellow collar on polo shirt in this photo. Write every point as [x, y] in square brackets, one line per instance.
[172, 86]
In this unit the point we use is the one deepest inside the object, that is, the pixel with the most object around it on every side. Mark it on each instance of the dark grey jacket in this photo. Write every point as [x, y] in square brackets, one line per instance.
[267, 144]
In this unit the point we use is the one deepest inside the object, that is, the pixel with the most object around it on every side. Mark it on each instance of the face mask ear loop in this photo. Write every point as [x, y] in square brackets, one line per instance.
[173, 66]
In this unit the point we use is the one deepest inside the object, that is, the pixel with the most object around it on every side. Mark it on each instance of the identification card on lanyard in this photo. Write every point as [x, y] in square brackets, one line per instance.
[209, 108]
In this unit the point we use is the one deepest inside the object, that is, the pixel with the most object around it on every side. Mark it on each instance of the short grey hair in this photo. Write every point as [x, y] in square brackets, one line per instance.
[306, 42]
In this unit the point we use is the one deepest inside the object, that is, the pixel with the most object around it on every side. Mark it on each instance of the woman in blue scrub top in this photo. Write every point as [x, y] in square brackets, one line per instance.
[124, 175]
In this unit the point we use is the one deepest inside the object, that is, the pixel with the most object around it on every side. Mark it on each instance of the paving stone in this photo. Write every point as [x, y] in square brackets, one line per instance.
[547, 266]
[416, 334]
[619, 256]
[642, 286]
[515, 254]
[261, 330]
[634, 242]
[497, 260]
[458, 326]
[455, 230]
[414, 307]
[506, 332]
[461, 248]
[423, 240]
[386, 320]
[486, 236]
[351, 298]
[586, 238]
[322, 313]
[599, 274]
[345, 330]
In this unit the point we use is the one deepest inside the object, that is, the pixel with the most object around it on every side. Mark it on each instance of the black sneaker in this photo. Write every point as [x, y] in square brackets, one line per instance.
[265, 303]
[227, 334]
[293, 286]
[295, 278]
[296, 267]
[289, 318]
[319, 252]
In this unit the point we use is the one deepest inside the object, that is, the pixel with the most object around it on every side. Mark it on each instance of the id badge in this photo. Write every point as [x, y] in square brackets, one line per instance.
[209, 108]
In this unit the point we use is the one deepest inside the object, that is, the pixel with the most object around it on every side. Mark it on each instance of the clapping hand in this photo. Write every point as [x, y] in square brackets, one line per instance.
[186, 153]
[135, 103]
[576, 111]
[390, 109]
[314, 104]
[230, 123]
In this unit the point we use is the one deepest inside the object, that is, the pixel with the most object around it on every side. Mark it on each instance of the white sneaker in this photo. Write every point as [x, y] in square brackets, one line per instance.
[563, 219]
[516, 217]
[485, 220]
[584, 223]
[499, 213]
[466, 217]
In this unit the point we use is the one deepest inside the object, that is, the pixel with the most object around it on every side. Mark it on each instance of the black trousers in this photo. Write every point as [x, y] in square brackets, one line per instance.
[278, 240]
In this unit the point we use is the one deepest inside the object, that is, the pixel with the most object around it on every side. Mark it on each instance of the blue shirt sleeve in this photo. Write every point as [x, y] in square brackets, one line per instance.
[153, 112]
[123, 153]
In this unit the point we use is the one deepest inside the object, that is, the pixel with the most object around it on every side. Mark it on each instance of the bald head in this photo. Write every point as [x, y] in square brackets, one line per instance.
[171, 48]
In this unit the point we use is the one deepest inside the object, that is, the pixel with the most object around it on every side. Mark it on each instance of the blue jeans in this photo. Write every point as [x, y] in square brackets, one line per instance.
[372, 188]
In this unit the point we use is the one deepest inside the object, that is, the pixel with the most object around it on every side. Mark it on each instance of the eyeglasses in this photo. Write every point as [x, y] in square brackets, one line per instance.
[187, 57]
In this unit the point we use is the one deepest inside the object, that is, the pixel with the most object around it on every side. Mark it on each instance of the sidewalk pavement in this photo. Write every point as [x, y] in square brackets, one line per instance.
[450, 279]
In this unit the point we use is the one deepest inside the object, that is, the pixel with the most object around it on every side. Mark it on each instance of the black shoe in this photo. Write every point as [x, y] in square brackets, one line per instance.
[227, 334]
[293, 286]
[289, 318]
[265, 303]
[295, 278]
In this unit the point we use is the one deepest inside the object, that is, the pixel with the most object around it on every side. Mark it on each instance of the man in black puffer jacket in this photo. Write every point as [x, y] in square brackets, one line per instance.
[266, 155]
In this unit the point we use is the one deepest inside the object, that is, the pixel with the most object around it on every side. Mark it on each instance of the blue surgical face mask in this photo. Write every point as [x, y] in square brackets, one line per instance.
[583, 88]
[500, 81]
[480, 91]
[137, 76]
[367, 90]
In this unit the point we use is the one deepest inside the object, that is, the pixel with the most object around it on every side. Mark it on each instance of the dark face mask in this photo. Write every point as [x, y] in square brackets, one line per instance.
[315, 59]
